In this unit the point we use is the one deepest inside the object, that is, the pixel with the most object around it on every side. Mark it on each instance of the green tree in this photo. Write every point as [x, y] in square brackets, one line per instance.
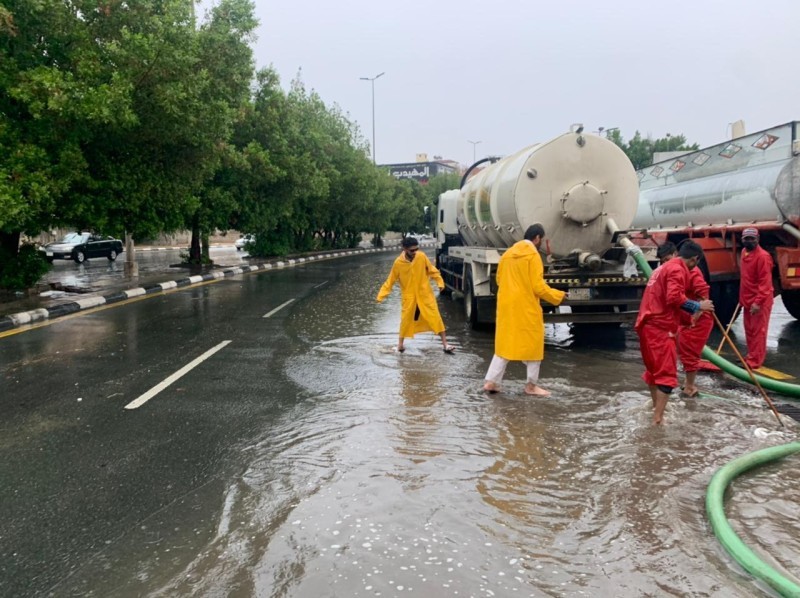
[225, 60]
[640, 149]
[409, 207]
[381, 190]
[54, 96]
[435, 187]
[307, 181]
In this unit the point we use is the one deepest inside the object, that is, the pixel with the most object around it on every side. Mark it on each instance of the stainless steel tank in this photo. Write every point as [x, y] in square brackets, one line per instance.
[572, 185]
[755, 178]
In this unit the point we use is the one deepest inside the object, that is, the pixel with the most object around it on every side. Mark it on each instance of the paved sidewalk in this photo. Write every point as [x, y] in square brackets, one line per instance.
[47, 306]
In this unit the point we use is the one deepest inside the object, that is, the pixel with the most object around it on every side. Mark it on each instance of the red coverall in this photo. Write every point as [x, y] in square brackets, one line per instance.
[692, 339]
[658, 321]
[755, 288]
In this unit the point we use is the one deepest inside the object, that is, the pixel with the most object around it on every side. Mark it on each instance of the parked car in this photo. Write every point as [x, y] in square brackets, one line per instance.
[82, 246]
[243, 240]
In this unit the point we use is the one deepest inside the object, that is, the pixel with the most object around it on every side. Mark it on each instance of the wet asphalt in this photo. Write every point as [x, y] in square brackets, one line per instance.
[243, 476]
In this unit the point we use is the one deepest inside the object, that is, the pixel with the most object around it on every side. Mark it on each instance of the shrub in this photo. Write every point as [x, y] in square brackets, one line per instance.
[22, 271]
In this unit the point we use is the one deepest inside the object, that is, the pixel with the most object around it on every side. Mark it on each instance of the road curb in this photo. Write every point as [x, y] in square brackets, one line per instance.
[24, 318]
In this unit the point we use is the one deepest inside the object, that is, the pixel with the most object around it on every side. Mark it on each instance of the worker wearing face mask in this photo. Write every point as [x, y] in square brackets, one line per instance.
[755, 296]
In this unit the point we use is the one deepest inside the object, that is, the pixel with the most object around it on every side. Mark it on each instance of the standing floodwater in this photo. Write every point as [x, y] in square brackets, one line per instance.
[395, 475]
[308, 458]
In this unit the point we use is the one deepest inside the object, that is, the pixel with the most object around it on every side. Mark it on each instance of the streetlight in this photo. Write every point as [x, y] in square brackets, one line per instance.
[608, 131]
[372, 80]
[474, 143]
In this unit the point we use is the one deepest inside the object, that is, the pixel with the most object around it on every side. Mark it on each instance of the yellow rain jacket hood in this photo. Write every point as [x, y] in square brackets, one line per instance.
[519, 332]
[415, 292]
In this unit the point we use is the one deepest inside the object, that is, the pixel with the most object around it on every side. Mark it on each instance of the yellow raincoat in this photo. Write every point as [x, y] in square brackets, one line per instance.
[519, 332]
[415, 292]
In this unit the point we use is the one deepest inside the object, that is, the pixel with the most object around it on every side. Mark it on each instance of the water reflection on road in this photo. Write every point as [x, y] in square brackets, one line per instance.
[395, 475]
[95, 274]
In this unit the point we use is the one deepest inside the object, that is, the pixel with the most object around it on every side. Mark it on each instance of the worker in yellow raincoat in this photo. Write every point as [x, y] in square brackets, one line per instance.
[413, 270]
[519, 332]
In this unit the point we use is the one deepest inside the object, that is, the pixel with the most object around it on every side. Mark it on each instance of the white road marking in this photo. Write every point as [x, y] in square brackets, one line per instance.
[277, 309]
[181, 372]
[322, 284]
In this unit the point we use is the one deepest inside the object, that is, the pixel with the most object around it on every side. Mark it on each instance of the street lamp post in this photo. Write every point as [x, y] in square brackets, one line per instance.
[474, 143]
[607, 131]
[372, 81]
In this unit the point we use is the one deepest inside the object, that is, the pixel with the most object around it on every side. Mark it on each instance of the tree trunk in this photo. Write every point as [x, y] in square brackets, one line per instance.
[195, 256]
[9, 243]
[204, 244]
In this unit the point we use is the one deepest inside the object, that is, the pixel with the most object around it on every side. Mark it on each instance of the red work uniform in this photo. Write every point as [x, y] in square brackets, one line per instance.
[658, 322]
[692, 338]
[755, 288]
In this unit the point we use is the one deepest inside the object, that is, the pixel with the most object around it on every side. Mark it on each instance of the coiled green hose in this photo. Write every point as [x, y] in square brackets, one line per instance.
[724, 532]
[719, 483]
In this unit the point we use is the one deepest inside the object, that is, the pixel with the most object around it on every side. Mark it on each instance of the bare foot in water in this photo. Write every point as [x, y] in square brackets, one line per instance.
[536, 391]
[690, 391]
[491, 387]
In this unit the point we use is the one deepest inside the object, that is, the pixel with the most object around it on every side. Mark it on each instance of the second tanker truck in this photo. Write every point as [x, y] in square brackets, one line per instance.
[584, 190]
[710, 195]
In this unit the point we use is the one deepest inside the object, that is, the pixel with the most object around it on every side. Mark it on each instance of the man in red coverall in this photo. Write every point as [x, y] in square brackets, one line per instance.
[658, 322]
[694, 330]
[755, 296]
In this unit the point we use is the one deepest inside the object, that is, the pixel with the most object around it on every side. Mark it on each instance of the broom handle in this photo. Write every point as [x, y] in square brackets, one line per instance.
[728, 329]
[747, 367]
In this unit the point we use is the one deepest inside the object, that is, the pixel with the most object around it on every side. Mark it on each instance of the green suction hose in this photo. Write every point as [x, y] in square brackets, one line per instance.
[716, 489]
[724, 532]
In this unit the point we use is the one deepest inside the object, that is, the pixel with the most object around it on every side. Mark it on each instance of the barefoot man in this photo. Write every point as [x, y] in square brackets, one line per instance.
[519, 332]
[695, 329]
[659, 319]
[419, 312]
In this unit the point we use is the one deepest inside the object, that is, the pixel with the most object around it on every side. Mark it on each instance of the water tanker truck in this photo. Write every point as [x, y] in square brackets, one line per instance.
[583, 189]
[711, 195]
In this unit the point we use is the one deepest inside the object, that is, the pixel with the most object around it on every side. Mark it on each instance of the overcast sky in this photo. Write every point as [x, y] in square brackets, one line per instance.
[509, 74]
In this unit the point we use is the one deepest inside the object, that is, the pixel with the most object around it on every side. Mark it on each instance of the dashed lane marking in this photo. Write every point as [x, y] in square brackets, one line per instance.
[179, 374]
[277, 309]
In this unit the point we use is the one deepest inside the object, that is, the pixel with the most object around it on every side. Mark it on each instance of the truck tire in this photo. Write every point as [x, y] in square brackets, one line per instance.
[470, 303]
[725, 296]
[791, 301]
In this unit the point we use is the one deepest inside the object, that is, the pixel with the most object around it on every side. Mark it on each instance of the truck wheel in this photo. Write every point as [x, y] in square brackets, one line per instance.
[725, 296]
[470, 303]
[791, 301]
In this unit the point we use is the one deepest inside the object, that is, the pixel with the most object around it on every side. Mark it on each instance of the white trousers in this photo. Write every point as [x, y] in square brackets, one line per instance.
[497, 370]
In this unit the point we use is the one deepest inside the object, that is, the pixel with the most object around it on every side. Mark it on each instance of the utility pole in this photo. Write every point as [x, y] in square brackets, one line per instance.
[372, 80]
[474, 143]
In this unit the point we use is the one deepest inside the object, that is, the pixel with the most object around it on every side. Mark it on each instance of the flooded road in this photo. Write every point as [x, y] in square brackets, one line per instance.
[383, 474]
[97, 273]
[396, 476]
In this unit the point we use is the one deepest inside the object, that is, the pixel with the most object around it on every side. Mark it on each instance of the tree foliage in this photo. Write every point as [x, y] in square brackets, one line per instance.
[133, 117]
[640, 149]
